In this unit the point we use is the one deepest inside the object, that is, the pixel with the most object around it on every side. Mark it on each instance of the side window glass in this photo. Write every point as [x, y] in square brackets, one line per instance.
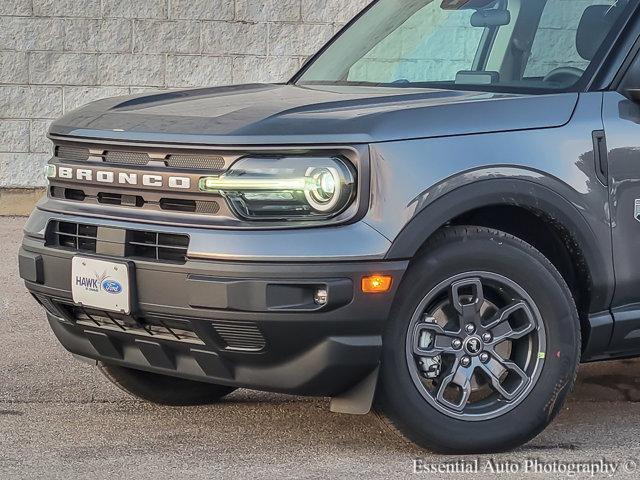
[555, 42]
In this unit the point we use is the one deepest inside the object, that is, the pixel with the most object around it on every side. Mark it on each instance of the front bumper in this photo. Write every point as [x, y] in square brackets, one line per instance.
[246, 324]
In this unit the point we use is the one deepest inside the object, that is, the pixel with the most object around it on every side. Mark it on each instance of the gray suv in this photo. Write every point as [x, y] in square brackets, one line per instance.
[438, 216]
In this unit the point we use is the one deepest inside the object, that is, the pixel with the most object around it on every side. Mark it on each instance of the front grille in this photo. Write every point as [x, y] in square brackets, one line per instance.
[206, 208]
[120, 199]
[161, 247]
[126, 158]
[201, 207]
[157, 246]
[240, 335]
[119, 178]
[75, 236]
[73, 154]
[184, 161]
[170, 204]
[197, 162]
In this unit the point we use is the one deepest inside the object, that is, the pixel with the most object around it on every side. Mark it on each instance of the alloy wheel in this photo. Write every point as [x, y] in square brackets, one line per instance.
[475, 346]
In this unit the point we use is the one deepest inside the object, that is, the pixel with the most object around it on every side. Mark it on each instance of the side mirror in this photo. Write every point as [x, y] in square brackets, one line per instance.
[632, 94]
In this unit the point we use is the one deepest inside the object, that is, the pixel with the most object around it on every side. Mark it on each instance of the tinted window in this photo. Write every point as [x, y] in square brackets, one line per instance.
[555, 42]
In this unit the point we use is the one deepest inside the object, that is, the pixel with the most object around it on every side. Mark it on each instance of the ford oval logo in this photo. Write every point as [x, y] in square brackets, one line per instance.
[111, 286]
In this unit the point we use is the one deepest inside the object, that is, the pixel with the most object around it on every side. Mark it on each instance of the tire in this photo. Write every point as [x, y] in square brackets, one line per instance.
[163, 389]
[435, 405]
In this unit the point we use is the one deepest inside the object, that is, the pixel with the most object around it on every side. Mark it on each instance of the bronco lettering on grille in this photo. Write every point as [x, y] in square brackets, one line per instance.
[122, 177]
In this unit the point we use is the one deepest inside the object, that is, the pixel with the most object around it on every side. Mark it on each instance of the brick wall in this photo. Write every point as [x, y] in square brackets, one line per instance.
[56, 55]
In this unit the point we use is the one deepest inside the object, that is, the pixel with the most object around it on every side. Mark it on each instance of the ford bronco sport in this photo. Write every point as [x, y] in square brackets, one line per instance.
[439, 215]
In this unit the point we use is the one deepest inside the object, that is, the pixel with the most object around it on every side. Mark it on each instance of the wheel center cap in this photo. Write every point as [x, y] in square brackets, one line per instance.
[473, 346]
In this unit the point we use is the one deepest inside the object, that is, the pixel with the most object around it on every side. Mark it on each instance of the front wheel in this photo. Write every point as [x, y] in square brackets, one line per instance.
[482, 346]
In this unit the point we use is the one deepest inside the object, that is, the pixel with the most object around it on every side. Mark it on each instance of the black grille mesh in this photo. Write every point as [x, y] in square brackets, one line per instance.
[74, 236]
[161, 247]
[207, 208]
[186, 161]
[199, 207]
[72, 154]
[126, 158]
[157, 246]
[240, 335]
[199, 162]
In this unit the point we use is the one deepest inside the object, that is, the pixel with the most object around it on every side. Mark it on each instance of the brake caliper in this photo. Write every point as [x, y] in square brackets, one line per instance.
[430, 367]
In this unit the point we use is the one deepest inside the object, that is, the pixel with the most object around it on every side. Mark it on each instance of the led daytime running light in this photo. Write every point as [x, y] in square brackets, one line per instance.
[230, 184]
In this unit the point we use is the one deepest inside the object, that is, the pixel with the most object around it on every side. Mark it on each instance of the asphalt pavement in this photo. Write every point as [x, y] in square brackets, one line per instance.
[61, 419]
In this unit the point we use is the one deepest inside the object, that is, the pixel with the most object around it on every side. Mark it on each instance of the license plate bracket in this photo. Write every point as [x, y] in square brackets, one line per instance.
[101, 284]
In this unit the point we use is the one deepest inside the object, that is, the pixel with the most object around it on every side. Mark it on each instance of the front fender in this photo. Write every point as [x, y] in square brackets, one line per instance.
[520, 193]
[419, 185]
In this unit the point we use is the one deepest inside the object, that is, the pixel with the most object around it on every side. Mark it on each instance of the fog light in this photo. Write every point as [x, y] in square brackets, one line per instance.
[320, 297]
[376, 283]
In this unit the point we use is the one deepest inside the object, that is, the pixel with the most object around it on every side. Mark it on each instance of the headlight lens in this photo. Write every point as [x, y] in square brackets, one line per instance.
[322, 193]
[286, 188]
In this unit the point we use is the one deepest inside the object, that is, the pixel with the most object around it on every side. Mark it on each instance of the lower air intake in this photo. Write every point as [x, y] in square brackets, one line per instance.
[242, 336]
[161, 247]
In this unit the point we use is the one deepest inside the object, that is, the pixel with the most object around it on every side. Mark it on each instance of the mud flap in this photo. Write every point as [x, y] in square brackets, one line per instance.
[358, 399]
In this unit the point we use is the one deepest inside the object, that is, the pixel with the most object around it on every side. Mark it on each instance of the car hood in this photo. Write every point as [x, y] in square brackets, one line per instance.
[290, 114]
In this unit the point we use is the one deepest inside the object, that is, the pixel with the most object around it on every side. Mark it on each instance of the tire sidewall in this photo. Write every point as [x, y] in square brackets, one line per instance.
[481, 250]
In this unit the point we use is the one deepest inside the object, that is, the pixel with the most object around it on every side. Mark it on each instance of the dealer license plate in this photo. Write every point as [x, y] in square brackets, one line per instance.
[101, 284]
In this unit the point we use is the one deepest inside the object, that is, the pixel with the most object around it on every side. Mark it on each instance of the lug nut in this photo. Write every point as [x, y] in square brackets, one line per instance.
[456, 343]
[484, 357]
[487, 337]
[465, 361]
[470, 328]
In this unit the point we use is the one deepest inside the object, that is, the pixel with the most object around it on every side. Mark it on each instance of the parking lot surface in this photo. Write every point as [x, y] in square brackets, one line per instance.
[61, 419]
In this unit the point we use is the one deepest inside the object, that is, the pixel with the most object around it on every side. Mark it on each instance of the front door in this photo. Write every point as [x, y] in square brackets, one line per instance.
[621, 117]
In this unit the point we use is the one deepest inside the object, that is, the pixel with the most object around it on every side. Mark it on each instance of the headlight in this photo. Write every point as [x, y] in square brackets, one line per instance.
[302, 188]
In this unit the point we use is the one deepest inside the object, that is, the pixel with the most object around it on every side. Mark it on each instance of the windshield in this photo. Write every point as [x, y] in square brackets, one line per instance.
[496, 45]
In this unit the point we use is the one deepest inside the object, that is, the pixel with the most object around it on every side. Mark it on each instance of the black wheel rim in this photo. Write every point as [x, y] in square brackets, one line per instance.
[476, 346]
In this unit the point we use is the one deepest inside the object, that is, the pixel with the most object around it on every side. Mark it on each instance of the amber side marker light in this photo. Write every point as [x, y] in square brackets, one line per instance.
[376, 283]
